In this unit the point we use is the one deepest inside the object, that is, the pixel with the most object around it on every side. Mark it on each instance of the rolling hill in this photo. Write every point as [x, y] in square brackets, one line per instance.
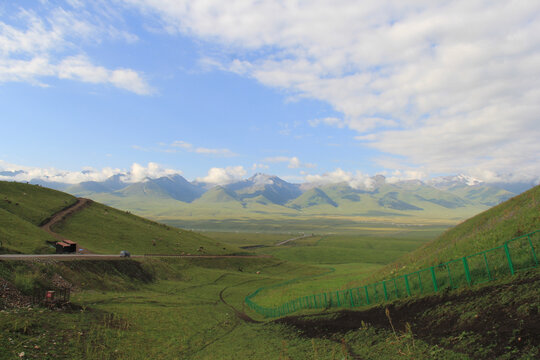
[512, 218]
[172, 198]
[98, 228]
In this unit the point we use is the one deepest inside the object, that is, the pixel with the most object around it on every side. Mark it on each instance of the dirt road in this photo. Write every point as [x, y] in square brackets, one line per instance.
[296, 238]
[61, 215]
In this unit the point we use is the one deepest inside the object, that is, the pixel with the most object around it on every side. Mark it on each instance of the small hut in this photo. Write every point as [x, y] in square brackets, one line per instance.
[66, 247]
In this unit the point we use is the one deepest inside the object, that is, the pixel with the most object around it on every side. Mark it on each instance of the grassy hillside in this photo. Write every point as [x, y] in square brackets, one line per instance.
[32, 203]
[20, 236]
[97, 227]
[103, 229]
[22, 208]
[516, 216]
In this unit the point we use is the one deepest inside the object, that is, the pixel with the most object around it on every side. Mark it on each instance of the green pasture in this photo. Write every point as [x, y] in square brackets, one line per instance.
[103, 229]
[18, 235]
[32, 203]
[515, 217]
[169, 309]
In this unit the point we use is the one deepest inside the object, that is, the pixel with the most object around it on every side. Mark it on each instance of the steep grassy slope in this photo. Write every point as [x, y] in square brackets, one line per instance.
[516, 216]
[103, 229]
[513, 218]
[32, 203]
[20, 236]
[97, 227]
[22, 208]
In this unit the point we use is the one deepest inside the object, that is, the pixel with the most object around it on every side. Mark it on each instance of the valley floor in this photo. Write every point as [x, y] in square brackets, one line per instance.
[193, 309]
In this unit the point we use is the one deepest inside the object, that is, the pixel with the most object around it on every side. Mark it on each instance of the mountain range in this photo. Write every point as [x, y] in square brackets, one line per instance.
[448, 197]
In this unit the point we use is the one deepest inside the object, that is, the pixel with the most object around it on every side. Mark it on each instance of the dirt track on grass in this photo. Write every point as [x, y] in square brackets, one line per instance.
[62, 215]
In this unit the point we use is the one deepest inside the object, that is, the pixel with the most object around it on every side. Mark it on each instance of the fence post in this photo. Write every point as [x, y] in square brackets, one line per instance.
[350, 295]
[367, 294]
[510, 264]
[435, 287]
[450, 275]
[407, 285]
[325, 301]
[466, 267]
[385, 292]
[338, 301]
[487, 267]
[532, 249]
[315, 302]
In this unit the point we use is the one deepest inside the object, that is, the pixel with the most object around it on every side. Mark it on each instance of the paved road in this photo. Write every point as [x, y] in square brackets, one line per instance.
[68, 257]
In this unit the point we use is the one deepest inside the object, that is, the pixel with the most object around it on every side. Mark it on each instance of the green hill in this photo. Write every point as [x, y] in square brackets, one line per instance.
[98, 228]
[310, 198]
[516, 216]
[32, 203]
[217, 194]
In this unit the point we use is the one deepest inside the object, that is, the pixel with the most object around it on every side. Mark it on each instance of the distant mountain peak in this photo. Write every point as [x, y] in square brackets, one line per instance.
[460, 179]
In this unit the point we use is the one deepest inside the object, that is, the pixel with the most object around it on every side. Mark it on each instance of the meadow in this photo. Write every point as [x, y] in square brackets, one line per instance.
[190, 310]
[185, 308]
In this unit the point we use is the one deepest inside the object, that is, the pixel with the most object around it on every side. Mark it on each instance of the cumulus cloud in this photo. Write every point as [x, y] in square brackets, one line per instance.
[449, 86]
[137, 172]
[403, 175]
[293, 162]
[223, 176]
[37, 47]
[202, 150]
[152, 170]
[356, 180]
[256, 166]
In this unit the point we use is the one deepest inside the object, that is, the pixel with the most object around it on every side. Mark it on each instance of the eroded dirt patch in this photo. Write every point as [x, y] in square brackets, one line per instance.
[483, 322]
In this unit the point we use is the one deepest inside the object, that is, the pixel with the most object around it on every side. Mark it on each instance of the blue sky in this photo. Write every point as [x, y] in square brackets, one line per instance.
[304, 90]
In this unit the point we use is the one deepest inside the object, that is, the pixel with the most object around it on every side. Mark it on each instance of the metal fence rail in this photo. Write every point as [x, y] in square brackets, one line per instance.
[514, 255]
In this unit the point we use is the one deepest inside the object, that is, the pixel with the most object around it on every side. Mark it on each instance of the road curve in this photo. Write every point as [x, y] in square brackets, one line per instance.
[61, 215]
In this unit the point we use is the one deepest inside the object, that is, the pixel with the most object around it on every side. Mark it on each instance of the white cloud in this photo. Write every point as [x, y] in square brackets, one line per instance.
[447, 85]
[399, 175]
[136, 173]
[223, 176]
[256, 166]
[48, 46]
[201, 150]
[152, 170]
[293, 162]
[356, 180]
[330, 121]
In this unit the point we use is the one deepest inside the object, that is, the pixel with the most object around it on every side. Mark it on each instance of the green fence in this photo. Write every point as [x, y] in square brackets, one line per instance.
[514, 255]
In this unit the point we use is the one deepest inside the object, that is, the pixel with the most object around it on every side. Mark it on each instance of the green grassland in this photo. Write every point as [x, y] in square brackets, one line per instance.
[194, 308]
[516, 216]
[22, 208]
[345, 259]
[98, 228]
[103, 229]
[253, 216]
[32, 203]
[18, 235]
[164, 309]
